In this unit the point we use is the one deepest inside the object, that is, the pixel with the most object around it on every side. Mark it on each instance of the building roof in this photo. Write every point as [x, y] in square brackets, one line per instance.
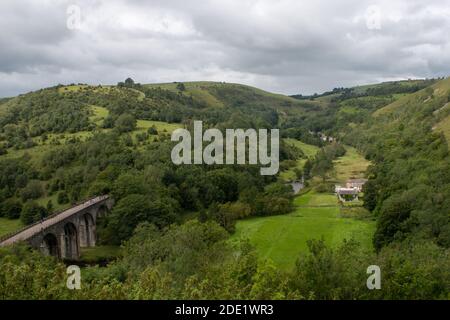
[347, 191]
[356, 180]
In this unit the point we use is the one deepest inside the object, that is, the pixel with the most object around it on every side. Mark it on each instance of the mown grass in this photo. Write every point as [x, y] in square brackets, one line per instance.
[351, 165]
[283, 238]
[317, 216]
[312, 199]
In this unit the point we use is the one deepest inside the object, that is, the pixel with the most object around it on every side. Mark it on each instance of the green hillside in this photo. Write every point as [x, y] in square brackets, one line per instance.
[180, 231]
[63, 144]
[444, 126]
[404, 140]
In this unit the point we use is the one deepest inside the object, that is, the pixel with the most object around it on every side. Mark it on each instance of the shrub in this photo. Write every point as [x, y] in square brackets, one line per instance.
[152, 130]
[324, 188]
[125, 123]
[32, 212]
[11, 208]
[33, 190]
[62, 197]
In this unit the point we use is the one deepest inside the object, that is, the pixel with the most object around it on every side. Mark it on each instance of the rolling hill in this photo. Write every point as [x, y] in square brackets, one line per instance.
[36, 125]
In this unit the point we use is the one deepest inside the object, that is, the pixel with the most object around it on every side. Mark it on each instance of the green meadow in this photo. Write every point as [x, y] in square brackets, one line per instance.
[351, 165]
[317, 216]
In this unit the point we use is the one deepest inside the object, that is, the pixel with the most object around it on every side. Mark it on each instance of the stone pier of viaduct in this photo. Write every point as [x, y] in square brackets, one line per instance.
[62, 234]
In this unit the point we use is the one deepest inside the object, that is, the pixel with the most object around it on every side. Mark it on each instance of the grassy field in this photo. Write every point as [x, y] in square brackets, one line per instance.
[283, 238]
[312, 199]
[317, 215]
[160, 125]
[99, 115]
[351, 165]
[7, 225]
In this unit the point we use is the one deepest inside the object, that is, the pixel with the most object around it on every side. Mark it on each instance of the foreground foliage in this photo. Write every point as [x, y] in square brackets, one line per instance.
[195, 261]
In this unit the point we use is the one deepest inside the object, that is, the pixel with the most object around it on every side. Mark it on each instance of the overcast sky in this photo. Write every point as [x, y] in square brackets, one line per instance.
[279, 45]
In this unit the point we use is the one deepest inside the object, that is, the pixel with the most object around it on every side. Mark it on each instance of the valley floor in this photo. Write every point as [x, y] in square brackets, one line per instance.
[283, 238]
[317, 215]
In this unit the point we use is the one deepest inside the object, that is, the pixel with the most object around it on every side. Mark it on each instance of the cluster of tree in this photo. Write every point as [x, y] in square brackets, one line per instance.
[335, 91]
[43, 111]
[344, 106]
[382, 89]
[197, 261]
[322, 163]
[409, 185]
[389, 88]
[299, 132]
[145, 183]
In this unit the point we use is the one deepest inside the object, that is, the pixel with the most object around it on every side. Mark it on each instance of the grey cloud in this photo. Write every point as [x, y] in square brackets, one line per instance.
[284, 46]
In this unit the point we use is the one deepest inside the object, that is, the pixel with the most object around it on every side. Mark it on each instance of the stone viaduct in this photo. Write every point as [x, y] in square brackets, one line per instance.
[62, 234]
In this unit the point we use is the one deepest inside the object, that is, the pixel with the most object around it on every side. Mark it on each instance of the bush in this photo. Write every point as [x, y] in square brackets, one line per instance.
[125, 123]
[32, 212]
[269, 206]
[324, 188]
[33, 190]
[152, 130]
[11, 209]
[134, 209]
[62, 197]
[226, 214]
[181, 87]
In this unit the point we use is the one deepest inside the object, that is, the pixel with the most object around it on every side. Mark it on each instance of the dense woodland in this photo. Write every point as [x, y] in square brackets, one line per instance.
[167, 256]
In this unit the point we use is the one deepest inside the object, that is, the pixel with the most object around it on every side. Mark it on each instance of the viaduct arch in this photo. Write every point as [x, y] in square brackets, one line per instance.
[62, 234]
